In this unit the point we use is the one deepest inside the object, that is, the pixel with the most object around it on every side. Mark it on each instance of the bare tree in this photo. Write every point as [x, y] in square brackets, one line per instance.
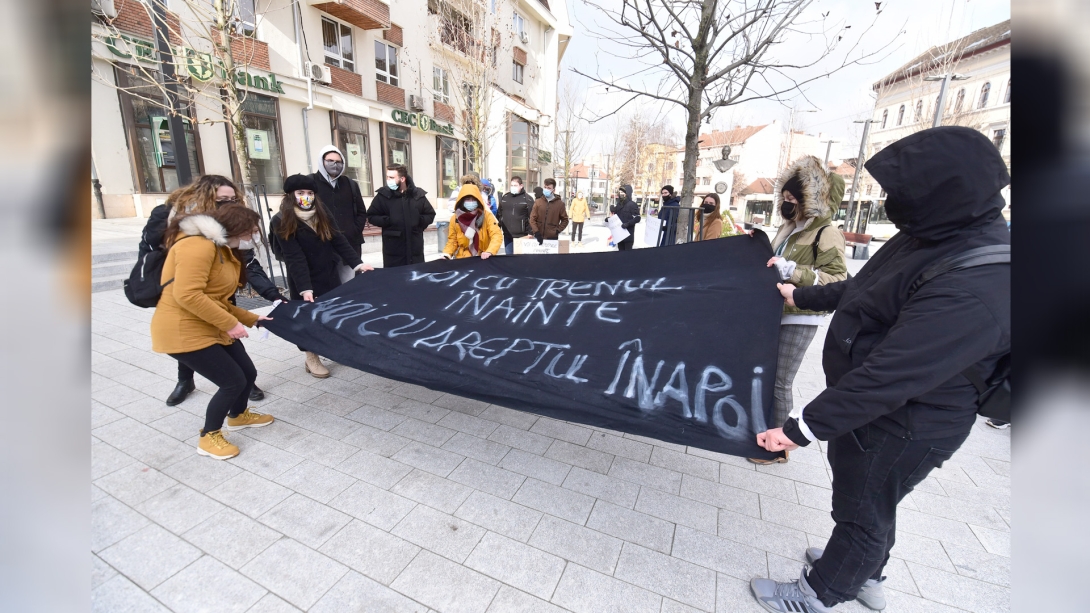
[213, 52]
[570, 134]
[715, 54]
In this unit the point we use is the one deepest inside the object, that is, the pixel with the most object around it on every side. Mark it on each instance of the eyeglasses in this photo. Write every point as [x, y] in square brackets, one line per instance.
[227, 201]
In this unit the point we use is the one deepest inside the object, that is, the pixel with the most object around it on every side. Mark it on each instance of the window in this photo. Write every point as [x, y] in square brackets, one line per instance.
[386, 63]
[350, 134]
[901, 115]
[449, 168]
[456, 31]
[522, 150]
[984, 91]
[520, 25]
[259, 116]
[440, 85]
[337, 40]
[1007, 95]
[517, 71]
[918, 115]
[397, 148]
[246, 11]
[998, 137]
[885, 116]
[960, 101]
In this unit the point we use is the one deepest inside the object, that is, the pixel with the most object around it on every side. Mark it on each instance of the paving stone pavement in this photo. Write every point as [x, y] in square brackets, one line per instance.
[372, 495]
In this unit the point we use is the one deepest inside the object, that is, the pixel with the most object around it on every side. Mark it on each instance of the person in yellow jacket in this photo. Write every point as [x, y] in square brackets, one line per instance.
[473, 228]
[196, 323]
[578, 213]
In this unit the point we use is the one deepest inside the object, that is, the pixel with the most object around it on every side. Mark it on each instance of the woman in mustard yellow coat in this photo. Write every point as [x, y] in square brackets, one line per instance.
[196, 323]
[473, 228]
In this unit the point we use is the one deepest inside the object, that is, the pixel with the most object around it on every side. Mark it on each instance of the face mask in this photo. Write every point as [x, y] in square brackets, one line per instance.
[708, 207]
[392, 184]
[548, 193]
[470, 205]
[334, 168]
[516, 189]
[787, 209]
[897, 213]
[304, 202]
[247, 244]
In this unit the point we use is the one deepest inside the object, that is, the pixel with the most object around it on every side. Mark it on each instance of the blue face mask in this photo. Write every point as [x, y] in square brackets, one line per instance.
[391, 184]
[547, 192]
[470, 205]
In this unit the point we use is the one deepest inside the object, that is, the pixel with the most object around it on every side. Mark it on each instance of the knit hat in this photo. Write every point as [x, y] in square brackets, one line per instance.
[793, 186]
[297, 182]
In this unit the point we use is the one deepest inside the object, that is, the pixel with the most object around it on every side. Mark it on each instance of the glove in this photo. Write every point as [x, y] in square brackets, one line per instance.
[785, 267]
[540, 238]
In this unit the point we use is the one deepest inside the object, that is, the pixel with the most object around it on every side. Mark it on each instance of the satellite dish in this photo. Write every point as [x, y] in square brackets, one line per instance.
[721, 188]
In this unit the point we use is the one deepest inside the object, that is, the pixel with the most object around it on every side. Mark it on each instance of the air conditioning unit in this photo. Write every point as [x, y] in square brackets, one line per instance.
[318, 72]
[416, 103]
[524, 37]
[104, 8]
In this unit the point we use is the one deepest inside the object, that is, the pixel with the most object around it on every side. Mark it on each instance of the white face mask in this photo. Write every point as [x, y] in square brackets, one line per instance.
[516, 189]
[250, 243]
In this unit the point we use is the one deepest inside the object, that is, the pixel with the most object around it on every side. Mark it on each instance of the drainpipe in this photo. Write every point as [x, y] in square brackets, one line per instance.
[297, 18]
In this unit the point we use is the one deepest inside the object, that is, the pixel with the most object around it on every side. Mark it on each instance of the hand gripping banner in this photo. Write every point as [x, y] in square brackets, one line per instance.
[677, 344]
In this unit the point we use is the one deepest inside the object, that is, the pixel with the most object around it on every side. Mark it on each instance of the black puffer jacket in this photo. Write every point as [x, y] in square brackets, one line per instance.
[897, 361]
[628, 211]
[312, 262]
[345, 202]
[514, 215]
[402, 217]
[152, 238]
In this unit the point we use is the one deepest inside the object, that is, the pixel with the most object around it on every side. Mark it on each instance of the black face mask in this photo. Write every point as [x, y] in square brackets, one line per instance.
[788, 209]
[708, 207]
[898, 213]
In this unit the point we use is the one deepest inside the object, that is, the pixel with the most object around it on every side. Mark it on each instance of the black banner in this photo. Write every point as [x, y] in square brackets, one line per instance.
[676, 343]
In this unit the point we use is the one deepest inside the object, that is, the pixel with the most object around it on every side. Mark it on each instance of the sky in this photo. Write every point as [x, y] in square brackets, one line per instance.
[905, 28]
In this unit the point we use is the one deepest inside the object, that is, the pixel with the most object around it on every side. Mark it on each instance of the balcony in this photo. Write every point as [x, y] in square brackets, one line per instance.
[364, 14]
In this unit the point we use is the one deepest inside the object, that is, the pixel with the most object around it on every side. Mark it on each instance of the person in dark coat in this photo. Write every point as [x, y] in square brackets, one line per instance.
[514, 214]
[669, 209]
[206, 194]
[312, 247]
[896, 404]
[402, 210]
[341, 195]
[629, 213]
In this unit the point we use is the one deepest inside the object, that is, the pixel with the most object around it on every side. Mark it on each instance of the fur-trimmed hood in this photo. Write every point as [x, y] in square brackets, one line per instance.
[204, 225]
[815, 186]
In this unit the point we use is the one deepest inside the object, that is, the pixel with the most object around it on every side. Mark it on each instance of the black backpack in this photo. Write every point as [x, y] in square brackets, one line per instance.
[142, 288]
[993, 389]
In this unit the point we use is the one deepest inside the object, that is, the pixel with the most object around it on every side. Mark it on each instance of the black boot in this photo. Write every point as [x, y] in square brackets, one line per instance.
[181, 391]
[256, 394]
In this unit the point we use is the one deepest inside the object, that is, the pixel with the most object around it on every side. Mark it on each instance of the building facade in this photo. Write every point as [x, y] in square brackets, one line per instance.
[380, 84]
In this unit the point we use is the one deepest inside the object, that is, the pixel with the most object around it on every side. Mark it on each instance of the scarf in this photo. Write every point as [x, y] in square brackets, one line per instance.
[307, 217]
[469, 223]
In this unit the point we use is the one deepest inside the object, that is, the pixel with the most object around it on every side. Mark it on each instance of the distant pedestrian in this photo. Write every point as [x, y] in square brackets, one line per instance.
[205, 195]
[196, 323]
[548, 217]
[341, 196]
[474, 230]
[628, 212]
[489, 192]
[669, 210]
[809, 251]
[310, 244]
[713, 219]
[538, 194]
[578, 214]
[514, 214]
[402, 210]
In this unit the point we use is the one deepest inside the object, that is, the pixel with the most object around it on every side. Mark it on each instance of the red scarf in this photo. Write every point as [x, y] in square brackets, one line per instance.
[470, 222]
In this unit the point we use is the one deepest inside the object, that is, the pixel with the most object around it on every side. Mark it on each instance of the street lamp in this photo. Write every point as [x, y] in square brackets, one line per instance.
[945, 78]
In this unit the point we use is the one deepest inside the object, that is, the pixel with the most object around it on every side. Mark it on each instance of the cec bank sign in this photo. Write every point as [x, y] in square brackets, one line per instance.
[422, 122]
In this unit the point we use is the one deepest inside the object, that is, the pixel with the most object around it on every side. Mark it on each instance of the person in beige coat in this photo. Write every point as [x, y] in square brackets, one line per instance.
[578, 213]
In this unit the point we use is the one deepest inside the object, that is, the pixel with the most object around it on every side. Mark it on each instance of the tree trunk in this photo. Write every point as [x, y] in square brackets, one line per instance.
[233, 103]
[693, 109]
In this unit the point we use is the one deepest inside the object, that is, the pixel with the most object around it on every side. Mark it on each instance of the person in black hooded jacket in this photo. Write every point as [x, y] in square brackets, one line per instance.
[897, 404]
[629, 213]
[341, 195]
[402, 210]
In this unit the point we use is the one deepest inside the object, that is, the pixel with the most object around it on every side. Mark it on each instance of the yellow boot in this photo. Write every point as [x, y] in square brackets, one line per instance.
[248, 419]
[213, 445]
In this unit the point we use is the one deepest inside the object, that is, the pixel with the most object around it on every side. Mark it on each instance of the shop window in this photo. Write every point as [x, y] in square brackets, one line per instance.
[448, 150]
[522, 151]
[264, 159]
[337, 43]
[984, 92]
[517, 71]
[397, 146]
[350, 134]
[440, 85]
[386, 63]
[901, 115]
[148, 133]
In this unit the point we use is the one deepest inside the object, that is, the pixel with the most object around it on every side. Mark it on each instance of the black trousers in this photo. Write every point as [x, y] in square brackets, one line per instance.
[872, 471]
[626, 244]
[229, 367]
[577, 230]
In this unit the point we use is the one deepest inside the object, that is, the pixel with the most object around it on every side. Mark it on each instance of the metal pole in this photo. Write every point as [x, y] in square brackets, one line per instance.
[177, 128]
[853, 219]
[937, 121]
[828, 150]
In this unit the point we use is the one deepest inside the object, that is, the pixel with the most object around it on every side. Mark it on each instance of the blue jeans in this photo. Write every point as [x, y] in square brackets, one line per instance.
[872, 471]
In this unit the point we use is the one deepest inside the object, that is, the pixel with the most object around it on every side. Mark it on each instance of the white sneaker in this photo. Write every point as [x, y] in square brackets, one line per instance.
[871, 595]
[794, 597]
